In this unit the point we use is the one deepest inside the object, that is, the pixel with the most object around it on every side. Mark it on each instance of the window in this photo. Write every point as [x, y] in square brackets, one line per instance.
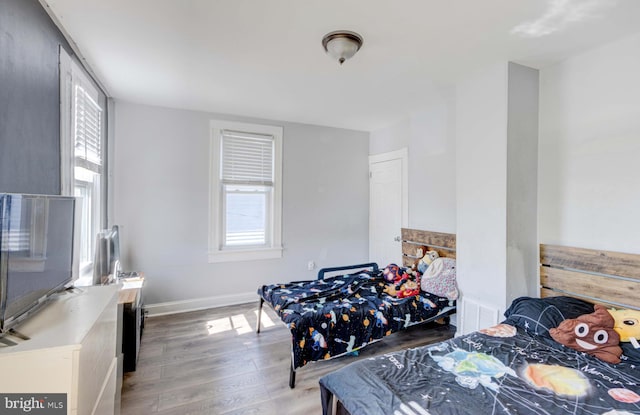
[245, 200]
[81, 155]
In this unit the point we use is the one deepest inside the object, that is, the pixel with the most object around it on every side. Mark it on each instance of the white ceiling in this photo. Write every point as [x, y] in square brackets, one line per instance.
[265, 58]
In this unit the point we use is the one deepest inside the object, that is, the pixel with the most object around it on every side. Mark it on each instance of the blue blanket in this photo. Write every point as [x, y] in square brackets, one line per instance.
[338, 315]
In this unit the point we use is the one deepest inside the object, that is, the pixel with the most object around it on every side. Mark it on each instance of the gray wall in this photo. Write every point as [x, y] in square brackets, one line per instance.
[29, 98]
[161, 190]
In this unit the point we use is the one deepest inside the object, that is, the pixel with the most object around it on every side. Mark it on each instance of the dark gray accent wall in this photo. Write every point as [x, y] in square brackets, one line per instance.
[29, 99]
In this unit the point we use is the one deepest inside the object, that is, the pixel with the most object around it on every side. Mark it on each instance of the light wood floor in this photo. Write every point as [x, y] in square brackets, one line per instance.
[213, 362]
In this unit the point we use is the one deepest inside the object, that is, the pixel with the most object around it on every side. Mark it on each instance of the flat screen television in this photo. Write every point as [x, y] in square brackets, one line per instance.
[36, 253]
[106, 263]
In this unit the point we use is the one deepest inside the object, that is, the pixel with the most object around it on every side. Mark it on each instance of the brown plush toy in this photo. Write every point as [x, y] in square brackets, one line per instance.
[591, 333]
[421, 251]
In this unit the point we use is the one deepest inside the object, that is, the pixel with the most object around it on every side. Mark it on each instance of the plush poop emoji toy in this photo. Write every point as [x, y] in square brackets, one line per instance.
[592, 334]
[627, 325]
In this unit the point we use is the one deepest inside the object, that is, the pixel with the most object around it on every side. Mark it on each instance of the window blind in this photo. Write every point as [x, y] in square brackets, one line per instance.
[87, 129]
[247, 158]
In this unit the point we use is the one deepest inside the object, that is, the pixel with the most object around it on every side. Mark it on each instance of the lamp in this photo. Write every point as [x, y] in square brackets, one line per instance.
[342, 44]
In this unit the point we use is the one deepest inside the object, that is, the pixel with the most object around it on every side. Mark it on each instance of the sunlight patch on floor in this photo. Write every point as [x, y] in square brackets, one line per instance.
[265, 321]
[241, 324]
[219, 325]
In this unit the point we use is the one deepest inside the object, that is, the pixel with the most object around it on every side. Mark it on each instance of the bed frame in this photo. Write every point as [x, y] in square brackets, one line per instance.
[602, 277]
[443, 243]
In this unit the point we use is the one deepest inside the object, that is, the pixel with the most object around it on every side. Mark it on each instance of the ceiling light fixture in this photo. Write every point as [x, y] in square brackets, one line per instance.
[342, 44]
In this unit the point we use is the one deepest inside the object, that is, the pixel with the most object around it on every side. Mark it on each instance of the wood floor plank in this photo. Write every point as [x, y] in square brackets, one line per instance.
[184, 368]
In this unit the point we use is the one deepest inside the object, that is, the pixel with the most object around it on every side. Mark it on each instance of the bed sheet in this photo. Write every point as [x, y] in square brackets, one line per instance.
[338, 315]
[501, 371]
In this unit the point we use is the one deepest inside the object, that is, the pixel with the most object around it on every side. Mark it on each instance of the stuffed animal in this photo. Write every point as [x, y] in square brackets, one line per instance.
[420, 252]
[392, 273]
[592, 334]
[409, 288]
[399, 283]
[627, 325]
[426, 260]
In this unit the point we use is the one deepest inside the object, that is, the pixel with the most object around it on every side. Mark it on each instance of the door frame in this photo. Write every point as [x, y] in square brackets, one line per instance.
[402, 155]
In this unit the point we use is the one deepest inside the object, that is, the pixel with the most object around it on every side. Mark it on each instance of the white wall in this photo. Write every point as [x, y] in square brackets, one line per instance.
[589, 171]
[429, 136]
[481, 168]
[497, 141]
[161, 190]
[522, 182]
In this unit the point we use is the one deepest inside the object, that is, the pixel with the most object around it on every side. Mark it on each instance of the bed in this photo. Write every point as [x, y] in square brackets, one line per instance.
[515, 367]
[336, 315]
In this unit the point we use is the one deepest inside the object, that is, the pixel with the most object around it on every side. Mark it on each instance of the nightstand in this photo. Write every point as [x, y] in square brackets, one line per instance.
[130, 296]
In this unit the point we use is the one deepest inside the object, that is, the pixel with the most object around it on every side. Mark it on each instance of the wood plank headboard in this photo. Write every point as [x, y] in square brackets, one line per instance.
[443, 243]
[602, 277]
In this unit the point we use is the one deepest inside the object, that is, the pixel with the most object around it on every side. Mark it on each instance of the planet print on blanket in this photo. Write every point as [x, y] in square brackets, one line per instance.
[499, 330]
[473, 368]
[624, 395]
[557, 379]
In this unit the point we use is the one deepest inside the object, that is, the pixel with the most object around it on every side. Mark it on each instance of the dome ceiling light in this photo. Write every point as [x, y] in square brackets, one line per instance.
[342, 44]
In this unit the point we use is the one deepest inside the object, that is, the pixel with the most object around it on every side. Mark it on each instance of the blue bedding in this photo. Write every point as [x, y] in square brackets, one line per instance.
[341, 314]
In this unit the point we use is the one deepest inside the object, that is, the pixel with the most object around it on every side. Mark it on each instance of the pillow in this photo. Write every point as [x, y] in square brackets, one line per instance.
[592, 334]
[538, 315]
[440, 278]
[630, 354]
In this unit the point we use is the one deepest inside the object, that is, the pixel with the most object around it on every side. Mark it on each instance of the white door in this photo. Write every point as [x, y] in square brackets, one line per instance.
[387, 206]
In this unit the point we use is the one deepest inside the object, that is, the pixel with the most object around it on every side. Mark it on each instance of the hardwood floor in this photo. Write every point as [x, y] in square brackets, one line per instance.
[213, 362]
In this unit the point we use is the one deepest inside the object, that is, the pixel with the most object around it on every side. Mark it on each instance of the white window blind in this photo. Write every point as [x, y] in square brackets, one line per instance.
[247, 178]
[246, 191]
[87, 131]
[247, 158]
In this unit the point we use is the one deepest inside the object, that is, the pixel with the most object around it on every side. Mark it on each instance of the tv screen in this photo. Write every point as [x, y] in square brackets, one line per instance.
[36, 252]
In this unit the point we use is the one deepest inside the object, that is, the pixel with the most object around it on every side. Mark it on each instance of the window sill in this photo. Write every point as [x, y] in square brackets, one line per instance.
[244, 254]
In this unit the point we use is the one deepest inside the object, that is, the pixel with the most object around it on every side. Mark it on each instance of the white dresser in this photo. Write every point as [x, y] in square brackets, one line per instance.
[72, 350]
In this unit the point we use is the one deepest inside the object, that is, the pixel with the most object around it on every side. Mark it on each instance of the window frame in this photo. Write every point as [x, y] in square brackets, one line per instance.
[217, 209]
[72, 76]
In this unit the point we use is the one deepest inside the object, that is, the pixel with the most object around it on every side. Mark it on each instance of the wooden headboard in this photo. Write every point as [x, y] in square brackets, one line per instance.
[443, 243]
[602, 277]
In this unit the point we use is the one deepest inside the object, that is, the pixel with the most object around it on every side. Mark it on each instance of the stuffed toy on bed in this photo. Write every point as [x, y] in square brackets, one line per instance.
[627, 325]
[426, 260]
[420, 252]
[592, 334]
[400, 284]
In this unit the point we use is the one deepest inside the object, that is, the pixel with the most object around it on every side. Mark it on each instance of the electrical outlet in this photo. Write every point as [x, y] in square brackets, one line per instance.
[311, 265]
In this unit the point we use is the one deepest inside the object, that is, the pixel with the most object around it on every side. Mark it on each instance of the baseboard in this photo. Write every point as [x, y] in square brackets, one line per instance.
[173, 307]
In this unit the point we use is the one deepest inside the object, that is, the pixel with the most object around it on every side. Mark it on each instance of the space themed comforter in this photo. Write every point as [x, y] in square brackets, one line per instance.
[500, 370]
[341, 314]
